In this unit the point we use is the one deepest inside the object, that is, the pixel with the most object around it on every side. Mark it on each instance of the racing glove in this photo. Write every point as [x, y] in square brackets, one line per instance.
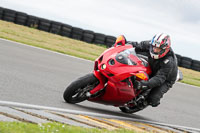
[145, 42]
[134, 44]
[141, 85]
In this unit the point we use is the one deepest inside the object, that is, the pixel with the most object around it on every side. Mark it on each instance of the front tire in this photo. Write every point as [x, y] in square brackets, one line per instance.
[129, 110]
[76, 91]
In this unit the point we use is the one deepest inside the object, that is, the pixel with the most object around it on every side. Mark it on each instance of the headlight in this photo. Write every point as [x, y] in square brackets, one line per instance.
[103, 66]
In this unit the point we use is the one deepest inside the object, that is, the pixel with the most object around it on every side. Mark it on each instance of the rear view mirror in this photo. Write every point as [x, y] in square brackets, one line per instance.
[121, 40]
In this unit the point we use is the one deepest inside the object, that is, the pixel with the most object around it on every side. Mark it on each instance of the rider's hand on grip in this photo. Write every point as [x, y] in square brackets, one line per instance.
[141, 85]
[134, 44]
[145, 42]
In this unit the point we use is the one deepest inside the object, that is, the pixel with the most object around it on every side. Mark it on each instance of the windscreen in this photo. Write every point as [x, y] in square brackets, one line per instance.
[124, 56]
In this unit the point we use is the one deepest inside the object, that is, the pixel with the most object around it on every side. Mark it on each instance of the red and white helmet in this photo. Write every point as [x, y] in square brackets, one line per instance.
[161, 41]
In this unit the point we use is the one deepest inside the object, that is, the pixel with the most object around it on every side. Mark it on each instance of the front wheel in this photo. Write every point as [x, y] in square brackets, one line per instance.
[76, 91]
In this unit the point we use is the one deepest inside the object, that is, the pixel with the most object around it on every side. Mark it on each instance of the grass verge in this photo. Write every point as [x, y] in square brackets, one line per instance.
[190, 77]
[20, 127]
[68, 46]
[49, 41]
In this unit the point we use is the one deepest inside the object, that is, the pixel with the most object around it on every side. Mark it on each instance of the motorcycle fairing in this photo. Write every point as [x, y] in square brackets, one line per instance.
[108, 68]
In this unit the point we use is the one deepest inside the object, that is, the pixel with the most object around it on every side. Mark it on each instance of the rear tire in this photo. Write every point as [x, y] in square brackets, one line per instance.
[76, 91]
[129, 110]
[141, 104]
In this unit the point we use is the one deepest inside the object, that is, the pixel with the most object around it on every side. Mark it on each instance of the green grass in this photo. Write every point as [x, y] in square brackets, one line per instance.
[34, 37]
[20, 127]
[190, 77]
[49, 41]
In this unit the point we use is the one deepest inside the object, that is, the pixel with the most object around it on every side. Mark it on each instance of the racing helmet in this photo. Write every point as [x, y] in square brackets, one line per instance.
[162, 42]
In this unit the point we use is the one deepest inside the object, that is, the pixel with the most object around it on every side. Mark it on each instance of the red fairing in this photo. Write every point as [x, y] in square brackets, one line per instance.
[114, 69]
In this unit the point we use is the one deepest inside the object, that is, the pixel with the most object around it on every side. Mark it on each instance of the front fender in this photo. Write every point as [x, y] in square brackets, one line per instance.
[102, 80]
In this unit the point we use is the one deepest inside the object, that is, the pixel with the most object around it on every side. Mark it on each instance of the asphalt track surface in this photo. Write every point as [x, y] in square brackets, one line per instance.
[36, 76]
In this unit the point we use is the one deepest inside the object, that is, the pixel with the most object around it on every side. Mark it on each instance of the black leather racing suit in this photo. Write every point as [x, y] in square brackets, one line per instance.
[164, 72]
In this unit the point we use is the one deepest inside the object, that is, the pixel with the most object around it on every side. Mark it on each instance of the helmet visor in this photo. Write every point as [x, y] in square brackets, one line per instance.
[156, 50]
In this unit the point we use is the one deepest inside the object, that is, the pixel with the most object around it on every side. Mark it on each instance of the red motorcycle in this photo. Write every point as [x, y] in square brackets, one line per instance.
[113, 79]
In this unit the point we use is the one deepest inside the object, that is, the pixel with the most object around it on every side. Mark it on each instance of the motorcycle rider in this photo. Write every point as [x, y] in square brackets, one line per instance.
[164, 67]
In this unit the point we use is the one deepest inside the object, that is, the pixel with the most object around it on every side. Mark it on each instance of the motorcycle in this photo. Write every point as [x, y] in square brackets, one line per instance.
[113, 80]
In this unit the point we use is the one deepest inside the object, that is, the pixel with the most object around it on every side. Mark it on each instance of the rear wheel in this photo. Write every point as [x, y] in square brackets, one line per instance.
[130, 110]
[76, 91]
[141, 104]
